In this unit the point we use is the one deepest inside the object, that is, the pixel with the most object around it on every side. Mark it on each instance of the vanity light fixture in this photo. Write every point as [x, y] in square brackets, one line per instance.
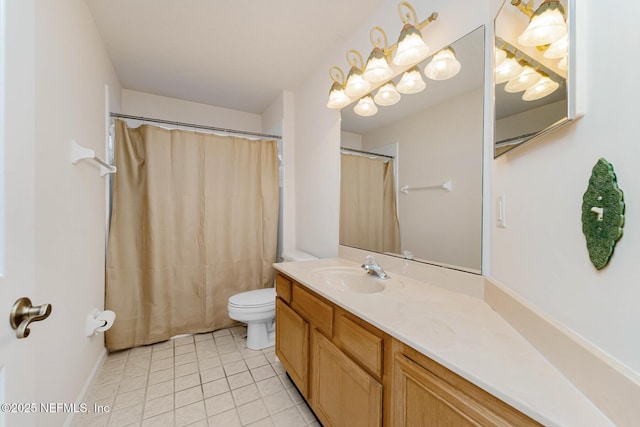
[545, 86]
[337, 97]
[558, 49]
[564, 64]
[443, 65]
[377, 72]
[356, 85]
[508, 69]
[378, 69]
[387, 95]
[411, 82]
[411, 48]
[366, 107]
[547, 24]
[523, 81]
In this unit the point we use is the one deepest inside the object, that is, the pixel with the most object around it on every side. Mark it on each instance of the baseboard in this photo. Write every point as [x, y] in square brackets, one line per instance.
[82, 397]
[611, 386]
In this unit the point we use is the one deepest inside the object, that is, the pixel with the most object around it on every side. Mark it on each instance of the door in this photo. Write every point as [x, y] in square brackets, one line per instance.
[343, 394]
[17, 135]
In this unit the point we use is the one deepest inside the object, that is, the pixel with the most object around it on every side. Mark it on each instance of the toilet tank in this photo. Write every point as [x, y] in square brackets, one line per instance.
[297, 256]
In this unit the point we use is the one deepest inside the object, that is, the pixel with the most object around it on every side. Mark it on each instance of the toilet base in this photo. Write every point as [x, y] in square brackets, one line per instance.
[261, 335]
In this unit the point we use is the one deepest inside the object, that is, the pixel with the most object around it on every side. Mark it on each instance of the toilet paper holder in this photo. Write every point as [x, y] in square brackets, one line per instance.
[99, 321]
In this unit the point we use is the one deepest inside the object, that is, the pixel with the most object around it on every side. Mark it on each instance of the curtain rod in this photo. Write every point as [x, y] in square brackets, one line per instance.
[366, 152]
[192, 125]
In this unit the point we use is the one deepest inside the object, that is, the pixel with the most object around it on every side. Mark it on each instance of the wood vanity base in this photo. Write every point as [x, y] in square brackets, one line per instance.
[353, 374]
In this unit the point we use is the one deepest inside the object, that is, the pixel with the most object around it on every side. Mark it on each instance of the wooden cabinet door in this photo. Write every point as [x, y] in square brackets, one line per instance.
[343, 394]
[420, 398]
[292, 345]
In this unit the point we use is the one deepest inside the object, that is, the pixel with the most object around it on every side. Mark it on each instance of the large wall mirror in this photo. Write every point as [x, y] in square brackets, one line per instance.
[411, 176]
[534, 70]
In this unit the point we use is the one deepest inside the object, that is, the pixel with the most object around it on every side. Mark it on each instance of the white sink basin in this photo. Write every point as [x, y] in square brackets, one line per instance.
[353, 279]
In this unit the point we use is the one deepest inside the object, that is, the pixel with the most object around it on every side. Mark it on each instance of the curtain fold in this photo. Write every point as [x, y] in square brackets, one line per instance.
[194, 221]
[368, 213]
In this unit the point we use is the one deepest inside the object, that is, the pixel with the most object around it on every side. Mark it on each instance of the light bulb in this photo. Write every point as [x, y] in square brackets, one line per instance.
[527, 78]
[411, 82]
[356, 86]
[411, 48]
[547, 25]
[387, 95]
[443, 65]
[509, 69]
[366, 107]
[544, 87]
[377, 69]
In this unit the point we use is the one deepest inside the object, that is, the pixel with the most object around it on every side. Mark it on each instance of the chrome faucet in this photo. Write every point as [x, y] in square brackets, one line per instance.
[372, 267]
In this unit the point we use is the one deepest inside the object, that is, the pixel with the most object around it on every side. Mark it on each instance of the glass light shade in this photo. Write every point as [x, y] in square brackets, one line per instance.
[337, 97]
[377, 69]
[563, 64]
[443, 65]
[411, 48]
[509, 69]
[544, 87]
[558, 49]
[411, 82]
[547, 25]
[366, 107]
[387, 95]
[527, 78]
[499, 56]
[356, 86]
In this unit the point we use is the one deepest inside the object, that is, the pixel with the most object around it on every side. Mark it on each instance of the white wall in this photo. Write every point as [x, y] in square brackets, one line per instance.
[542, 254]
[72, 69]
[434, 147]
[161, 107]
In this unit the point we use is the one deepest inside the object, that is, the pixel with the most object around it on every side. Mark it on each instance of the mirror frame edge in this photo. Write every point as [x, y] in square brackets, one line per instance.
[574, 104]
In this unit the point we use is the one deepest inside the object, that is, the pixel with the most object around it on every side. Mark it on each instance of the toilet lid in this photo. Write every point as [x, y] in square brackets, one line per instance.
[257, 298]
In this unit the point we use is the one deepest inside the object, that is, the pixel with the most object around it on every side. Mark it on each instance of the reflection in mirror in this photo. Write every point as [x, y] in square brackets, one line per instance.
[533, 78]
[411, 176]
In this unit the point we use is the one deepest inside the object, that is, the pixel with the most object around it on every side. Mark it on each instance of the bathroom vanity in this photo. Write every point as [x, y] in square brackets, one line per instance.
[405, 353]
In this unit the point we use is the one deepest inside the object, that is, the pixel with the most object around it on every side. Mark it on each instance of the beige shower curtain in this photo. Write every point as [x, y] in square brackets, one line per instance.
[194, 221]
[368, 214]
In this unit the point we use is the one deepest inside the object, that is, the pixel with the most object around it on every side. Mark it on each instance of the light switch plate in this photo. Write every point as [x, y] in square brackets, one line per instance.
[501, 211]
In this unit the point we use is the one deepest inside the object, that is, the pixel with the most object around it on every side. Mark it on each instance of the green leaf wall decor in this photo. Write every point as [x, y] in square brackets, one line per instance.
[602, 213]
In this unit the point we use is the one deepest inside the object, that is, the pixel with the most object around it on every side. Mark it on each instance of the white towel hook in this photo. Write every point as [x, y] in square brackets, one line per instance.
[78, 152]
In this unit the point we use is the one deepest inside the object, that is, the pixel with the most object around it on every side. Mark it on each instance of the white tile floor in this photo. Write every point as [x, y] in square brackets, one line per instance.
[202, 380]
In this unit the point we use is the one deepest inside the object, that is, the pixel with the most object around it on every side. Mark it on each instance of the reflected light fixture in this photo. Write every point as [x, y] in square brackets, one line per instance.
[366, 107]
[443, 65]
[337, 97]
[523, 81]
[387, 95]
[508, 69]
[563, 64]
[377, 69]
[547, 24]
[545, 86]
[558, 49]
[411, 48]
[356, 85]
[411, 82]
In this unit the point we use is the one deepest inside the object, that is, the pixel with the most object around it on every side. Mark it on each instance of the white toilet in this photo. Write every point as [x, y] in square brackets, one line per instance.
[258, 310]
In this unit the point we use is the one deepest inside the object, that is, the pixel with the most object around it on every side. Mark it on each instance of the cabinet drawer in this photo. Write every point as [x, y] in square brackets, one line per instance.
[283, 288]
[316, 311]
[363, 346]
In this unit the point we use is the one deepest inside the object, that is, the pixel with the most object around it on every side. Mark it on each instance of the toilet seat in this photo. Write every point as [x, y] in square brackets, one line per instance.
[256, 299]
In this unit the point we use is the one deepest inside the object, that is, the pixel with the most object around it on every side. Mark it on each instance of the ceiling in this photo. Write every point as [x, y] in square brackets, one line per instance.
[237, 54]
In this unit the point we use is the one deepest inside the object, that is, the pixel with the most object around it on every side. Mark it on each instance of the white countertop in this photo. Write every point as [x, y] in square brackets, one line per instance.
[465, 335]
